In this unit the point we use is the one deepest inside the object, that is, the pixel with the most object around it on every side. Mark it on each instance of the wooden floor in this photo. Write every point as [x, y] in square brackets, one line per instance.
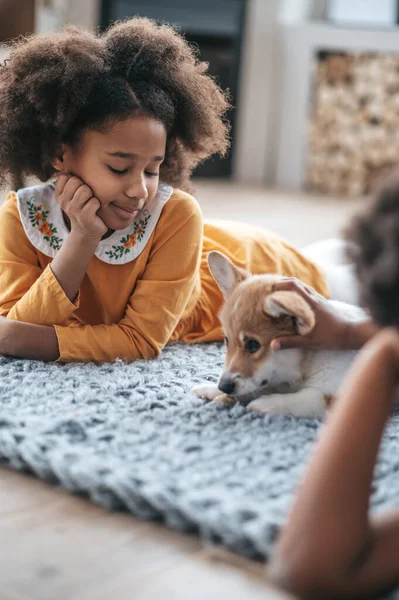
[54, 546]
[301, 218]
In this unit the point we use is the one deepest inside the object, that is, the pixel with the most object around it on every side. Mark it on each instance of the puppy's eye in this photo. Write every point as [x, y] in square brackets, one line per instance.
[226, 341]
[252, 346]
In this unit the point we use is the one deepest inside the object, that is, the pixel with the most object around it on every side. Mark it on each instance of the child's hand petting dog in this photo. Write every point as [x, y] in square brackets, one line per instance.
[331, 329]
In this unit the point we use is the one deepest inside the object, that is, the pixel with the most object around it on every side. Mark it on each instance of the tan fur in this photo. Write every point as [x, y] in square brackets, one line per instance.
[290, 303]
[243, 317]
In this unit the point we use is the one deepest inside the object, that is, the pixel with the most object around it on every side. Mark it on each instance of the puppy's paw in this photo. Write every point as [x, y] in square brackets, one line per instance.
[211, 392]
[225, 399]
[268, 405]
[208, 391]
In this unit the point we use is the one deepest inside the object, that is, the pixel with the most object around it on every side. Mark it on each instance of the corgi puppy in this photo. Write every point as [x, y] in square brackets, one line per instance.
[297, 382]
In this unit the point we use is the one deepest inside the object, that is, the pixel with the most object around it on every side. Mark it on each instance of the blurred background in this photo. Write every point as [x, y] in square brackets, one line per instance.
[314, 83]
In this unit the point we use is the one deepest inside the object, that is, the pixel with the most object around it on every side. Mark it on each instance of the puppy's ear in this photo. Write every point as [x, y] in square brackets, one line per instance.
[290, 303]
[225, 273]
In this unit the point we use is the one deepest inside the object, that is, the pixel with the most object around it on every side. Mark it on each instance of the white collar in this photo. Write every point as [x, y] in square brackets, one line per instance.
[42, 219]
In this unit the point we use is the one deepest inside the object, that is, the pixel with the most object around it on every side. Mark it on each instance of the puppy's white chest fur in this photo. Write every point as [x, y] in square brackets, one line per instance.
[320, 377]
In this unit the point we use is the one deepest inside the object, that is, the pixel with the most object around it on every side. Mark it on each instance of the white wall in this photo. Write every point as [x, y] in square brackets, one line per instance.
[84, 12]
[253, 158]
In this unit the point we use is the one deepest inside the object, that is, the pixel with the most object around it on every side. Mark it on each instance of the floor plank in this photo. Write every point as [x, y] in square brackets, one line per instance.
[197, 578]
[59, 548]
[300, 217]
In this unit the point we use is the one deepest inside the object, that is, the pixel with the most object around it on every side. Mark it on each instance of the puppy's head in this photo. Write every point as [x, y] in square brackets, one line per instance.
[252, 316]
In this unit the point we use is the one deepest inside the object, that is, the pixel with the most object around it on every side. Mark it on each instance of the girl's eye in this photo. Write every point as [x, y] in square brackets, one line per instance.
[116, 171]
[252, 346]
[124, 171]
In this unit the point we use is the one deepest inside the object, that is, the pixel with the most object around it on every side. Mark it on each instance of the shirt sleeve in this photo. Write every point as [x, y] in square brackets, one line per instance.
[158, 301]
[27, 292]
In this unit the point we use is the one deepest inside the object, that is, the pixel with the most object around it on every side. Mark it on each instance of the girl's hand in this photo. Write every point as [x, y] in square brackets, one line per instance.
[78, 203]
[331, 330]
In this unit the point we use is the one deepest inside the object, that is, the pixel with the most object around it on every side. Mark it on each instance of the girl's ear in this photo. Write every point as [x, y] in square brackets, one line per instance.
[59, 161]
[225, 273]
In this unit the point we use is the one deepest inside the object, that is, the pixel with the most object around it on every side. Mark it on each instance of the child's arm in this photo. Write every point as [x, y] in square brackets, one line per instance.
[154, 309]
[157, 304]
[27, 293]
[48, 297]
[330, 546]
[78, 203]
[26, 340]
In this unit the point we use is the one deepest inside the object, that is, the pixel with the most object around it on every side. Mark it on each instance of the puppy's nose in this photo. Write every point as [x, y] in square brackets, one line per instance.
[227, 385]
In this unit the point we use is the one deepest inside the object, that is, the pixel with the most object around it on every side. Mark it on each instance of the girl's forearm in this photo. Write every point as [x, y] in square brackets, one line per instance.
[328, 531]
[358, 334]
[26, 340]
[70, 264]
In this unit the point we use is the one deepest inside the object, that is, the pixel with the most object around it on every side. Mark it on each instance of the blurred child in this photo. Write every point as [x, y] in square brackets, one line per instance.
[331, 546]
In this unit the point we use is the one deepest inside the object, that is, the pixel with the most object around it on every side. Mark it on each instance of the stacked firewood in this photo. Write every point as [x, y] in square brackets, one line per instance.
[353, 135]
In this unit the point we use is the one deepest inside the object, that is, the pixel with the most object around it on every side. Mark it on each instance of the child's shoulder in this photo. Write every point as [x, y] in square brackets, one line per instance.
[10, 202]
[9, 209]
[182, 206]
[10, 220]
[30, 211]
[37, 193]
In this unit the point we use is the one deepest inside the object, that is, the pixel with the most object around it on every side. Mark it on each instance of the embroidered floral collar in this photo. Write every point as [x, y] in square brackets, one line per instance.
[45, 227]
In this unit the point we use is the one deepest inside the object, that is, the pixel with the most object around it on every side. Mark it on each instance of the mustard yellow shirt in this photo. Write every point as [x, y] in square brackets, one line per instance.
[136, 296]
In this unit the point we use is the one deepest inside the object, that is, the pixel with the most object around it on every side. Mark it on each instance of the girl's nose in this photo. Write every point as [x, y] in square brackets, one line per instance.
[136, 188]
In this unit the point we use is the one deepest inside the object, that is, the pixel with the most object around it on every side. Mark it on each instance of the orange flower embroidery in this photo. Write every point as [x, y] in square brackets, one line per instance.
[131, 241]
[38, 218]
[45, 229]
[127, 243]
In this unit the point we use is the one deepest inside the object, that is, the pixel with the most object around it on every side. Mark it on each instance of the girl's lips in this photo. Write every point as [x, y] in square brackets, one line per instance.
[126, 215]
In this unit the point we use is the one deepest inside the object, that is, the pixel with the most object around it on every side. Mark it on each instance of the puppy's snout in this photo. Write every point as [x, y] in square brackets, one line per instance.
[227, 385]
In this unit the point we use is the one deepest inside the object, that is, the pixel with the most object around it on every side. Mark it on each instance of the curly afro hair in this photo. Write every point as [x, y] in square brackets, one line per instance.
[374, 249]
[53, 87]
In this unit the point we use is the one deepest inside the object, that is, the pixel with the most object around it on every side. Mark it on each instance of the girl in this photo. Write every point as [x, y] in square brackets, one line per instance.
[110, 261]
[332, 547]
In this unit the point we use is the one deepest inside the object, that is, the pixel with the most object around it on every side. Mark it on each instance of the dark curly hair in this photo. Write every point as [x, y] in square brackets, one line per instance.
[374, 249]
[53, 87]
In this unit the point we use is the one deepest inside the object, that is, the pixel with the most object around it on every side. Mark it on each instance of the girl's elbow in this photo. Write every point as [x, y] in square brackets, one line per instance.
[303, 577]
[138, 347]
[148, 352]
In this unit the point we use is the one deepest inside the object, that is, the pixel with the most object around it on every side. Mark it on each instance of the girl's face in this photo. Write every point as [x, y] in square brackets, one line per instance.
[120, 165]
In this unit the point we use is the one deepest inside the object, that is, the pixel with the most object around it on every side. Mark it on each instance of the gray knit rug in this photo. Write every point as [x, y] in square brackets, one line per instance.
[134, 437]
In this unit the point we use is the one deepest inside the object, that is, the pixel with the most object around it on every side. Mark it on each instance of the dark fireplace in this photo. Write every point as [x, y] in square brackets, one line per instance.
[216, 27]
